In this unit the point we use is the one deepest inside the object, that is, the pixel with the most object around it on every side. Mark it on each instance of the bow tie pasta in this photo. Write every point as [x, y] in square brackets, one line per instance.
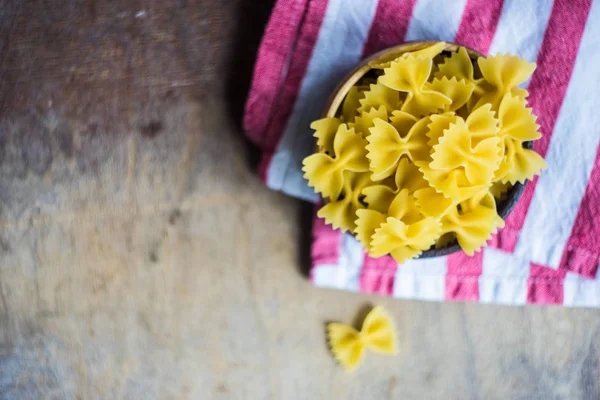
[377, 334]
[422, 148]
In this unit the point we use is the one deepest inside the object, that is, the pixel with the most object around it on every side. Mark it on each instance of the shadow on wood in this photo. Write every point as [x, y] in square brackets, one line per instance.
[251, 22]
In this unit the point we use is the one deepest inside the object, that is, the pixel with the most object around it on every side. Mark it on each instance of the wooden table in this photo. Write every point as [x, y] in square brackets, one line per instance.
[141, 258]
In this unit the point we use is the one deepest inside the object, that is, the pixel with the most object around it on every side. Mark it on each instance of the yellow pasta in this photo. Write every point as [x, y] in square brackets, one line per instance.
[458, 66]
[427, 52]
[503, 72]
[365, 120]
[406, 233]
[432, 203]
[482, 124]
[386, 146]
[351, 104]
[325, 173]
[402, 122]
[473, 227]
[379, 95]
[377, 334]
[458, 91]
[409, 177]
[499, 189]
[379, 197]
[405, 241]
[325, 130]
[458, 164]
[417, 160]
[445, 240]
[366, 223]
[439, 123]
[519, 164]
[409, 75]
[453, 184]
[341, 213]
[516, 119]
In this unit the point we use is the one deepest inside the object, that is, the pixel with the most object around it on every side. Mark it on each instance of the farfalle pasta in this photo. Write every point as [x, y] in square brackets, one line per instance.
[422, 149]
[326, 172]
[377, 333]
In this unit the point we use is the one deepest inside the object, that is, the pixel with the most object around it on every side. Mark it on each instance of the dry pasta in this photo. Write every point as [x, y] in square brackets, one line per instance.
[377, 334]
[421, 151]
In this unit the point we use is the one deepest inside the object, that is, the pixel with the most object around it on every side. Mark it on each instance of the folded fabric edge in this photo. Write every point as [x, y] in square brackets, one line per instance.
[275, 51]
[574, 291]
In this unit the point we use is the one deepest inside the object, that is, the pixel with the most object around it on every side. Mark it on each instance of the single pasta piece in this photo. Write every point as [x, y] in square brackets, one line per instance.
[439, 123]
[432, 203]
[341, 213]
[473, 222]
[426, 52]
[409, 74]
[326, 173]
[364, 121]
[516, 119]
[468, 165]
[377, 334]
[386, 146]
[458, 91]
[379, 95]
[325, 130]
[519, 164]
[366, 223]
[503, 72]
[406, 233]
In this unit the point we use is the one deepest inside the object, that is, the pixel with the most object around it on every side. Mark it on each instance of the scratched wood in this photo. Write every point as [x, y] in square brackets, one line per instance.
[141, 258]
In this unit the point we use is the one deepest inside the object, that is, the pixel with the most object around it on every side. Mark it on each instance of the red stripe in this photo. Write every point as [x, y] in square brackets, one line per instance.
[583, 247]
[297, 70]
[389, 25]
[462, 278]
[478, 24]
[276, 48]
[326, 242]
[548, 86]
[545, 285]
[377, 275]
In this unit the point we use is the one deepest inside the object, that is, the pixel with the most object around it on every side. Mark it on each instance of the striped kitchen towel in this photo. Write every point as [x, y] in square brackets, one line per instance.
[549, 251]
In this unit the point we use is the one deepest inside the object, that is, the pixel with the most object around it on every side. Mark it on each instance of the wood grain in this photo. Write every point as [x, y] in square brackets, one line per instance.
[141, 258]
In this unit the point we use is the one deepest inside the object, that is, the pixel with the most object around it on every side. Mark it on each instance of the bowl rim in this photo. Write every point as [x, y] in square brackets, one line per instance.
[335, 101]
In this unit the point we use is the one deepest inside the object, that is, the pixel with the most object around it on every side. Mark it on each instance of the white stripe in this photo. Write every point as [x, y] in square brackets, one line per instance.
[346, 274]
[580, 291]
[338, 49]
[435, 20]
[570, 157]
[521, 28]
[423, 279]
[351, 260]
[503, 279]
[329, 276]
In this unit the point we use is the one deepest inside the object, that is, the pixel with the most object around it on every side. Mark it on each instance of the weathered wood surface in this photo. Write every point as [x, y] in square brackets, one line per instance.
[141, 258]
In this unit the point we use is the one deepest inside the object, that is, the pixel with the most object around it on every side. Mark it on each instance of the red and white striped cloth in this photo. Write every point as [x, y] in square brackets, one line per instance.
[549, 250]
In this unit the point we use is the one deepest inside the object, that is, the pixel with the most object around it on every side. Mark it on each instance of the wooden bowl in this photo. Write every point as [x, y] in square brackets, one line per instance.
[334, 106]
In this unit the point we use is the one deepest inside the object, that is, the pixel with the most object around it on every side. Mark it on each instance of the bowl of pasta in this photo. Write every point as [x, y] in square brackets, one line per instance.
[424, 149]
